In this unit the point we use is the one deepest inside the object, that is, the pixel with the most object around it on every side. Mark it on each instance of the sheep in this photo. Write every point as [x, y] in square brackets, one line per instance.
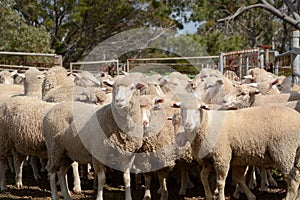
[267, 87]
[244, 96]
[10, 90]
[86, 79]
[159, 150]
[231, 75]
[210, 86]
[175, 82]
[21, 131]
[260, 75]
[33, 82]
[224, 142]
[6, 77]
[57, 87]
[122, 129]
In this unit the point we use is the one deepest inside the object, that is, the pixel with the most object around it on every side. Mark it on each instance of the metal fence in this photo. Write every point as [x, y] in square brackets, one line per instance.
[22, 61]
[187, 65]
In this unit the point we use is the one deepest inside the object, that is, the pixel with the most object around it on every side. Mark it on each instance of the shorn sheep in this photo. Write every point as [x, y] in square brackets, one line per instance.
[159, 150]
[220, 139]
[122, 133]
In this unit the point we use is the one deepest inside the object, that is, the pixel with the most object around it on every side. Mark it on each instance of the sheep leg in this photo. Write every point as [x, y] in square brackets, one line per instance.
[100, 172]
[126, 178]
[53, 187]
[11, 164]
[272, 181]
[293, 181]
[264, 179]
[62, 177]
[43, 164]
[3, 185]
[221, 174]
[18, 164]
[206, 169]
[147, 177]
[77, 186]
[239, 174]
[184, 181]
[34, 166]
[252, 182]
[162, 178]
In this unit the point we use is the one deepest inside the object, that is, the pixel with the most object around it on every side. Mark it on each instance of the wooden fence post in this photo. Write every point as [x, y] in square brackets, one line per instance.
[295, 58]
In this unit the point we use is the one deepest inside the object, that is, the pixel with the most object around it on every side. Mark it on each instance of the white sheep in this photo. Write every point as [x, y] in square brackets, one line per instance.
[244, 96]
[121, 134]
[21, 131]
[7, 77]
[244, 137]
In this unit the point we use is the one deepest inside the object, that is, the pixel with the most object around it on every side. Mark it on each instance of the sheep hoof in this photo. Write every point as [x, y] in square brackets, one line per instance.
[77, 190]
[182, 193]
[19, 185]
[37, 177]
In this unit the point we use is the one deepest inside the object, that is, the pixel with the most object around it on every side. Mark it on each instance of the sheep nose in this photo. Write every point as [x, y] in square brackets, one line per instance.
[119, 100]
[188, 125]
[145, 123]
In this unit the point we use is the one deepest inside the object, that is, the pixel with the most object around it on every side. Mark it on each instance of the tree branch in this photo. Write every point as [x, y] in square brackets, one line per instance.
[265, 5]
[293, 9]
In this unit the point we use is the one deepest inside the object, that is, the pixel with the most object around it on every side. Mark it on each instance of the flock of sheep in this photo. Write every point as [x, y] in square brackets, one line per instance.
[133, 123]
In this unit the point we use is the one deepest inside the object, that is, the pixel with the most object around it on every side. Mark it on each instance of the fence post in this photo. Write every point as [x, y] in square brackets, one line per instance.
[295, 58]
[221, 64]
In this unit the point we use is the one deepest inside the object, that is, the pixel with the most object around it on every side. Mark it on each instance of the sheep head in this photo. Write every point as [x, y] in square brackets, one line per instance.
[242, 96]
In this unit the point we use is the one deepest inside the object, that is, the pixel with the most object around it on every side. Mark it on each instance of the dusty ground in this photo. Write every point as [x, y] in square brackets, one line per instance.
[114, 189]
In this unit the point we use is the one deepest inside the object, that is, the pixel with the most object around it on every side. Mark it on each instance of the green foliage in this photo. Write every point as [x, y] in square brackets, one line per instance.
[17, 35]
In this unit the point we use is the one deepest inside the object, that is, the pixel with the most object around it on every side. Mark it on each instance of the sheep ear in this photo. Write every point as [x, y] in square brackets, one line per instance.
[14, 72]
[109, 83]
[254, 91]
[204, 107]
[21, 75]
[159, 100]
[220, 81]
[176, 105]
[275, 82]
[140, 85]
[249, 76]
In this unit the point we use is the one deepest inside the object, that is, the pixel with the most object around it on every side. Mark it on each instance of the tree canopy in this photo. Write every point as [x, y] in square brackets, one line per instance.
[72, 28]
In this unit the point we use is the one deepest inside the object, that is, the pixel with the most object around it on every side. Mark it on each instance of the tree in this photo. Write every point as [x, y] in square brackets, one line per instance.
[76, 27]
[17, 35]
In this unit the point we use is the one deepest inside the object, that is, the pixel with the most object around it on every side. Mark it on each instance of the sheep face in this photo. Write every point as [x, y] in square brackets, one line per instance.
[148, 103]
[191, 114]
[6, 77]
[242, 96]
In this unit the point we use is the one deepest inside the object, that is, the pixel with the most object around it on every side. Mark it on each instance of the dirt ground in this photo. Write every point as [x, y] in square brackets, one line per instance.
[114, 190]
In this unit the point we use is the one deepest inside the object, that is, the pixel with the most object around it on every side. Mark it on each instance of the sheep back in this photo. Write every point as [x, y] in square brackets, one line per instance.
[21, 122]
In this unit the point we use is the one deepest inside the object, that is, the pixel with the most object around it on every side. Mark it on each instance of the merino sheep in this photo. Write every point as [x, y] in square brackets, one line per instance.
[244, 96]
[224, 142]
[7, 77]
[86, 79]
[122, 133]
[21, 131]
[33, 82]
[210, 86]
[159, 150]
